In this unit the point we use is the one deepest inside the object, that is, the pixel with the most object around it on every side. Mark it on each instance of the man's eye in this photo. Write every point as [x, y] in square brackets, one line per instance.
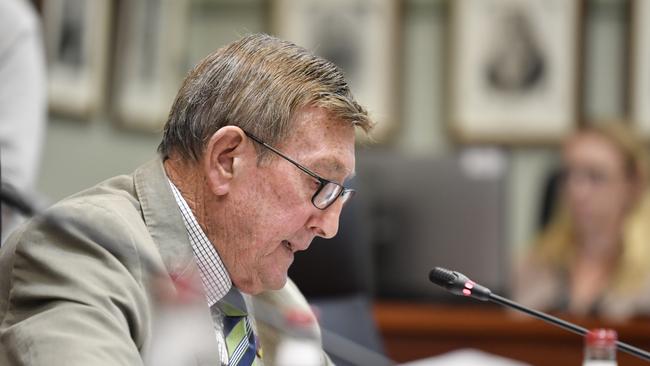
[314, 183]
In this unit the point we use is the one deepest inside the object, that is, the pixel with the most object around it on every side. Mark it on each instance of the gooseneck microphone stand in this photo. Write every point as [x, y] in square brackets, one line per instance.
[457, 283]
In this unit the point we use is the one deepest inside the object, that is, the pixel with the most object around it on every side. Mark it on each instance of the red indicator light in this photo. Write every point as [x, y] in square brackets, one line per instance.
[469, 285]
[467, 292]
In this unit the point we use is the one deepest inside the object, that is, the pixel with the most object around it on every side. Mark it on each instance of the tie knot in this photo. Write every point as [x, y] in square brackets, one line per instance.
[230, 310]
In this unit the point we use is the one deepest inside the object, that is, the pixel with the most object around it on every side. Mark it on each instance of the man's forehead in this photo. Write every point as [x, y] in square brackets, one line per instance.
[327, 143]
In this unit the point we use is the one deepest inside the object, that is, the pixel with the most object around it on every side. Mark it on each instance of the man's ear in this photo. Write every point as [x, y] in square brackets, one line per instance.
[222, 149]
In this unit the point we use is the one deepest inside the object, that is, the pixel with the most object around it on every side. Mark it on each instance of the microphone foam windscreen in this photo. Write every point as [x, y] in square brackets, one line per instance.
[441, 276]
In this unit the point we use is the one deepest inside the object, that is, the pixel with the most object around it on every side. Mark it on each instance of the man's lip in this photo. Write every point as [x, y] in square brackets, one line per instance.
[296, 246]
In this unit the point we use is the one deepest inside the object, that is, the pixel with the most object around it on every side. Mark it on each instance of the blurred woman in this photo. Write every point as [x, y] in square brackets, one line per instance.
[594, 256]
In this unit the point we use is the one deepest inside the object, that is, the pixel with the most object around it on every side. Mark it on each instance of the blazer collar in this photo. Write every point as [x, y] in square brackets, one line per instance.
[165, 224]
[162, 217]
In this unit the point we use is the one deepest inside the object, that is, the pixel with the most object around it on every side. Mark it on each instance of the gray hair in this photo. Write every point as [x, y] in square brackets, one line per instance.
[256, 83]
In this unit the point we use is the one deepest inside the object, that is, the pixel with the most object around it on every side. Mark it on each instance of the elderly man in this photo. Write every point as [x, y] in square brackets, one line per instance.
[253, 160]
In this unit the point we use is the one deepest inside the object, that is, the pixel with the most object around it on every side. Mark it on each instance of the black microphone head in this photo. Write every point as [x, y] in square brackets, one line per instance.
[457, 283]
[442, 276]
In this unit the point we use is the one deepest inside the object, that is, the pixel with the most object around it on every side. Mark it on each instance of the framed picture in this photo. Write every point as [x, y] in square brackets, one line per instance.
[360, 36]
[76, 34]
[639, 75]
[149, 62]
[214, 24]
[514, 70]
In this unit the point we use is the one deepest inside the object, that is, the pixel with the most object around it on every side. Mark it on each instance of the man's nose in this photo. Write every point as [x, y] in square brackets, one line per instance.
[325, 223]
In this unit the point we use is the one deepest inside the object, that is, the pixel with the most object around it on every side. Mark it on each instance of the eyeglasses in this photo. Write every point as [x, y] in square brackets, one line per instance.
[327, 193]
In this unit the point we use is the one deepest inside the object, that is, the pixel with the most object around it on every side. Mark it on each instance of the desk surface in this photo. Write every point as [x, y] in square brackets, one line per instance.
[414, 330]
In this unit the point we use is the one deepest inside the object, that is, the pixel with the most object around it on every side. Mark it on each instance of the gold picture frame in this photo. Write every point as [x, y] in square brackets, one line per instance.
[361, 37]
[149, 62]
[76, 36]
[639, 70]
[515, 70]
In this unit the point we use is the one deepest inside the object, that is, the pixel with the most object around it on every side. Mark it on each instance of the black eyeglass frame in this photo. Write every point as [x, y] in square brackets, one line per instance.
[342, 191]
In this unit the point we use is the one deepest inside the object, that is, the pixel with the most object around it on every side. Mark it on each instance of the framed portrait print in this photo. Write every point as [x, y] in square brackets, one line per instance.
[639, 75]
[149, 62]
[214, 24]
[76, 35]
[514, 70]
[359, 36]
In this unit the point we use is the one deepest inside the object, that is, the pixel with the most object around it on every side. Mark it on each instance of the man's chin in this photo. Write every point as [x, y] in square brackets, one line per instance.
[276, 284]
[265, 284]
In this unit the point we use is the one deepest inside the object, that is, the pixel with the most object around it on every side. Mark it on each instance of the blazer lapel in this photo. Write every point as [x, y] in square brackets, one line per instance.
[162, 216]
[165, 224]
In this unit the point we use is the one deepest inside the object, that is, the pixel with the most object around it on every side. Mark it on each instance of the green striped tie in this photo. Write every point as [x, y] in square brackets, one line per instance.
[240, 340]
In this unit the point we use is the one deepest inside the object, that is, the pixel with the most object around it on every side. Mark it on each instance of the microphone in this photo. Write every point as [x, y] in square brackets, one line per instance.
[459, 284]
[10, 196]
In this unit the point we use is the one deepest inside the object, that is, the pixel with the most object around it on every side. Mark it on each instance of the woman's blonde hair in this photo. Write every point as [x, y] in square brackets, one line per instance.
[556, 244]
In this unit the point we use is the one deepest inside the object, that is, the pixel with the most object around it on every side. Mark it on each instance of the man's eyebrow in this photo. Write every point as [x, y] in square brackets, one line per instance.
[333, 166]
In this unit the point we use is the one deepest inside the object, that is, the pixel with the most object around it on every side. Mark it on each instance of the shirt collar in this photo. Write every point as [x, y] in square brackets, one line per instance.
[215, 278]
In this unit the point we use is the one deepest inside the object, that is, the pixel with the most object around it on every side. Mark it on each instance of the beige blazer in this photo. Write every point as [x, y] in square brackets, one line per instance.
[85, 295]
